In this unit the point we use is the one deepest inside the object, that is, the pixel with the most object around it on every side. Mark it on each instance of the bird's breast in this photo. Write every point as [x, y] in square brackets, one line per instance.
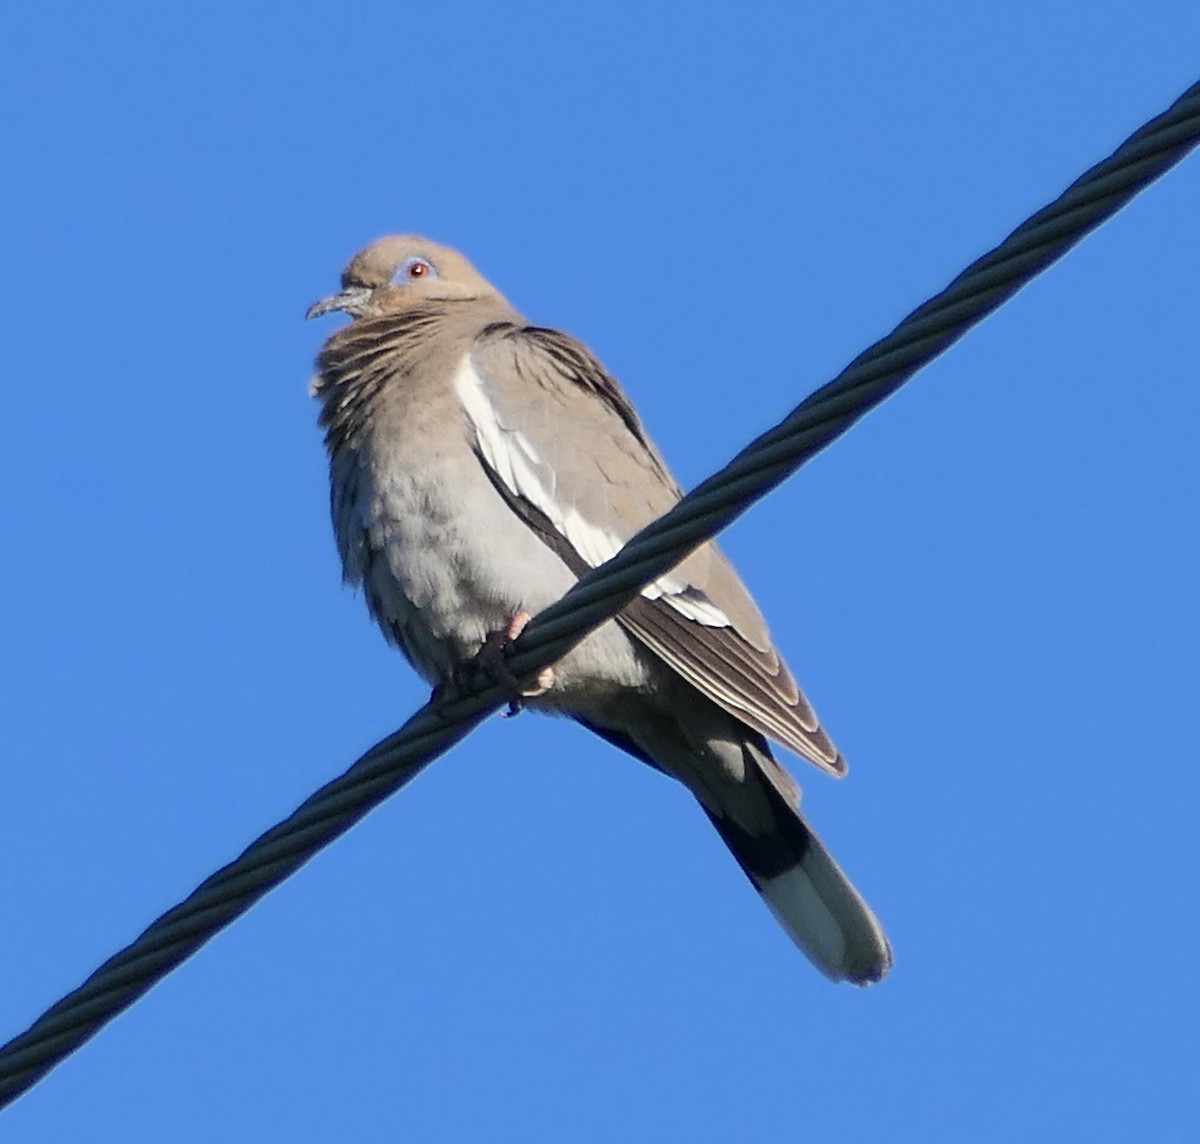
[441, 557]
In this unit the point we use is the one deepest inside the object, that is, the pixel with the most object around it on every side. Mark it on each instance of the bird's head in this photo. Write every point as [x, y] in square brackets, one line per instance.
[400, 273]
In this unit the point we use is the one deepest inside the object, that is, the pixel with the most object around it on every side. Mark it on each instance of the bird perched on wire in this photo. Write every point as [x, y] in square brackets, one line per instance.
[479, 466]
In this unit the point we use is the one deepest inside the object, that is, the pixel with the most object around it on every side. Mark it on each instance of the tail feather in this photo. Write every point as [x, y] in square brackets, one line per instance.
[810, 897]
[827, 918]
[754, 804]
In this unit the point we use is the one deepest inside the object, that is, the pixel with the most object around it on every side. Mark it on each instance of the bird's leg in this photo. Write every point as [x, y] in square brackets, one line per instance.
[490, 659]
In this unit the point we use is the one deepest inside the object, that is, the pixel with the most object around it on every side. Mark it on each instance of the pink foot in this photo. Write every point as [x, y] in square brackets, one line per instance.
[490, 659]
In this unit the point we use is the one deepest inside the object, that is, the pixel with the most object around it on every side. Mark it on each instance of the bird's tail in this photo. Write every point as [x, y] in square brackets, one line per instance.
[754, 804]
[808, 893]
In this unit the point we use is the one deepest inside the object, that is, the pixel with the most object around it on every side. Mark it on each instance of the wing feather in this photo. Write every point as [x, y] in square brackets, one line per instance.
[516, 387]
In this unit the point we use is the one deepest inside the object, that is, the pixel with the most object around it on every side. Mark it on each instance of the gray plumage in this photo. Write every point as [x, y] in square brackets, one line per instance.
[478, 466]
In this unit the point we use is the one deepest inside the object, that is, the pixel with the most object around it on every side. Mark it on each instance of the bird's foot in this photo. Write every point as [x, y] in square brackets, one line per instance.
[543, 683]
[490, 660]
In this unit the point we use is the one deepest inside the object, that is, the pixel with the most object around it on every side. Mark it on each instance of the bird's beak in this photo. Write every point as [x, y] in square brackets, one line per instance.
[352, 301]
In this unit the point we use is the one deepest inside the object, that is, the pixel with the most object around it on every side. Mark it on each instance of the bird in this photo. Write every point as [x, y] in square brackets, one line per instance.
[479, 465]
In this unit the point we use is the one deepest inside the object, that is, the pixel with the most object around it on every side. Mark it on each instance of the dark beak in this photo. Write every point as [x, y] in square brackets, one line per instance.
[352, 301]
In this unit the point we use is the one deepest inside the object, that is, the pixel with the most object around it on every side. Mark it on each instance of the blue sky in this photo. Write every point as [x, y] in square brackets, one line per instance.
[988, 588]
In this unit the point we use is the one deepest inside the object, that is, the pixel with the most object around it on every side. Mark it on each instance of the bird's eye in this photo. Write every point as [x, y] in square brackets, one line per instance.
[414, 270]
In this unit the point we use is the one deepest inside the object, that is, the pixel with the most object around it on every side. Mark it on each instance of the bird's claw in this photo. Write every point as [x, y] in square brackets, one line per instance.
[490, 660]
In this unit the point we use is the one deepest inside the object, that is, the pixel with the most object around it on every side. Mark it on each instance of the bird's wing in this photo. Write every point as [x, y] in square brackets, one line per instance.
[565, 448]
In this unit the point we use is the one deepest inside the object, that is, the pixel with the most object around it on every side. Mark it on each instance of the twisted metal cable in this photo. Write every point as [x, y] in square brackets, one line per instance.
[818, 420]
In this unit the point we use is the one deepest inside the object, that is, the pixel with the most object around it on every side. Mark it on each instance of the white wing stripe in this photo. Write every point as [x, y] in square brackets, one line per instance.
[517, 463]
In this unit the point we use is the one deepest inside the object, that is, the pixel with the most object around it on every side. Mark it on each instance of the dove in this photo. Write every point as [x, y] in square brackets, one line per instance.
[479, 465]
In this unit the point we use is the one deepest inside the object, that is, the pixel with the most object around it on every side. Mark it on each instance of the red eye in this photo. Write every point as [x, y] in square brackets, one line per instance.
[415, 269]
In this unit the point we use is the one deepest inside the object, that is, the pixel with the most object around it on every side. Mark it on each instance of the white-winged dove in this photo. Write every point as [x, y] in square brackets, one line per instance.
[479, 465]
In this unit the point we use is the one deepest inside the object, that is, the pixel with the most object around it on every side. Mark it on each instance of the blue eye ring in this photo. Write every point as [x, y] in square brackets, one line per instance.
[415, 269]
